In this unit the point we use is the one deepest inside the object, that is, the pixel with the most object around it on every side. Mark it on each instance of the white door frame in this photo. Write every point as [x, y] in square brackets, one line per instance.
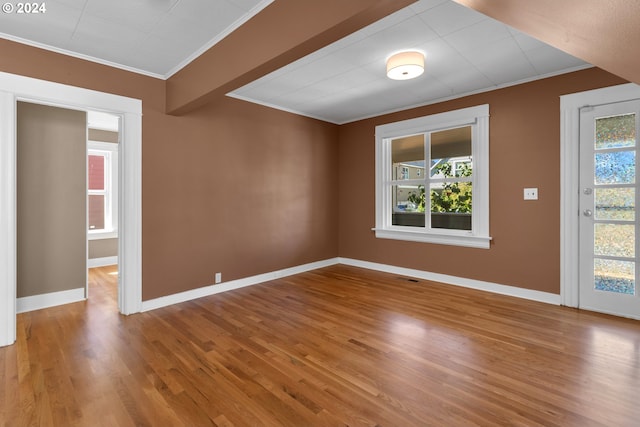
[570, 106]
[14, 88]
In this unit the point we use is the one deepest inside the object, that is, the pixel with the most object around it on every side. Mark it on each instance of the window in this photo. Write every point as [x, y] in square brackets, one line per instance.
[102, 185]
[432, 178]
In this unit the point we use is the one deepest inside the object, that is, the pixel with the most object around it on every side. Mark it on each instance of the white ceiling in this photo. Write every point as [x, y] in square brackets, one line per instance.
[153, 37]
[466, 52]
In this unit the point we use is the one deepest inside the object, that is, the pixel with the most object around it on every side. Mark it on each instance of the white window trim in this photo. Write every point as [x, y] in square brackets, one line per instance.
[478, 237]
[111, 188]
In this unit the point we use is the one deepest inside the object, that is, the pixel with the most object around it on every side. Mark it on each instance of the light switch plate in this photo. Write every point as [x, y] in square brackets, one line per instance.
[531, 194]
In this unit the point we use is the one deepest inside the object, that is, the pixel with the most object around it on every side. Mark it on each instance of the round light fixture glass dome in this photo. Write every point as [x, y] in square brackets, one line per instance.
[405, 65]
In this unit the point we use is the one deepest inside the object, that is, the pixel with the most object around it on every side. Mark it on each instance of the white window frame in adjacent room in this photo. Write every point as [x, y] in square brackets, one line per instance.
[478, 118]
[110, 153]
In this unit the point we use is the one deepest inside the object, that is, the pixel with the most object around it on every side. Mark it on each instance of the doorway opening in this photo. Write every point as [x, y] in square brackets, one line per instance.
[13, 89]
[102, 160]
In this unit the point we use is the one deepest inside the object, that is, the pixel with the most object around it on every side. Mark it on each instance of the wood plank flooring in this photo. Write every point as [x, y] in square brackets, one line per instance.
[339, 346]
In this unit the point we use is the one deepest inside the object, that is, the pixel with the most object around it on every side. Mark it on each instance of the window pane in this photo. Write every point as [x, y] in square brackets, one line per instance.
[451, 205]
[451, 152]
[451, 221]
[616, 203]
[451, 197]
[96, 172]
[618, 167]
[408, 198]
[617, 131]
[96, 212]
[408, 205]
[402, 171]
[407, 157]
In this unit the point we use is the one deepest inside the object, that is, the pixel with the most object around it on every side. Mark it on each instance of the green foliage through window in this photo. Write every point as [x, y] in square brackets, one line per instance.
[452, 197]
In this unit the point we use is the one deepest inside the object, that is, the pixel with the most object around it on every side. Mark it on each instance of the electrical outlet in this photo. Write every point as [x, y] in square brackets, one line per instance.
[531, 194]
[218, 278]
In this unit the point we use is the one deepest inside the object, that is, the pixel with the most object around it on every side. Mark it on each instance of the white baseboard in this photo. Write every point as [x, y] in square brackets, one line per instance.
[496, 288]
[233, 284]
[102, 262]
[514, 291]
[37, 302]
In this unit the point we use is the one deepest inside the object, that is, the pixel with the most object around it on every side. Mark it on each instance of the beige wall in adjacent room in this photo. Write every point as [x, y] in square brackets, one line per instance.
[103, 248]
[51, 195]
[103, 135]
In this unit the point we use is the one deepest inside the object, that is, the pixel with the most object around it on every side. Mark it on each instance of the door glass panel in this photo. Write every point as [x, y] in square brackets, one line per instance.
[617, 167]
[615, 204]
[616, 131]
[614, 276]
[614, 240]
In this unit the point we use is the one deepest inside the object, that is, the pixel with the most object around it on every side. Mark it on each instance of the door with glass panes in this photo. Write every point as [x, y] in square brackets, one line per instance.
[608, 200]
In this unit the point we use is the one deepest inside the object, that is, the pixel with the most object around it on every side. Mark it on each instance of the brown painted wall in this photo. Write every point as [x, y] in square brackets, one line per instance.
[524, 137]
[243, 189]
[51, 199]
[236, 188]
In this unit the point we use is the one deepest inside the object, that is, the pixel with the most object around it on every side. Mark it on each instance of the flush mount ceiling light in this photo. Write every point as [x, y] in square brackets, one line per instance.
[405, 65]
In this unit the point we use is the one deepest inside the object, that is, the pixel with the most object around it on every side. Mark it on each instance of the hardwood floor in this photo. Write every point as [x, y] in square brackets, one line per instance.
[333, 347]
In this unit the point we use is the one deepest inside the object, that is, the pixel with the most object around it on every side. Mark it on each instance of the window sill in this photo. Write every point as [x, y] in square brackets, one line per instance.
[100, 235]
[481, 242]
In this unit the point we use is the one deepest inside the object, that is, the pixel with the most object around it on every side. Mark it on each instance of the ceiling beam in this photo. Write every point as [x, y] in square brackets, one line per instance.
[602, 33]
[283, 32]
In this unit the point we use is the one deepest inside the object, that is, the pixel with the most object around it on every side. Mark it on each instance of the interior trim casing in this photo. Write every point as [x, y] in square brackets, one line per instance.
[570, 106]
[14, 88]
